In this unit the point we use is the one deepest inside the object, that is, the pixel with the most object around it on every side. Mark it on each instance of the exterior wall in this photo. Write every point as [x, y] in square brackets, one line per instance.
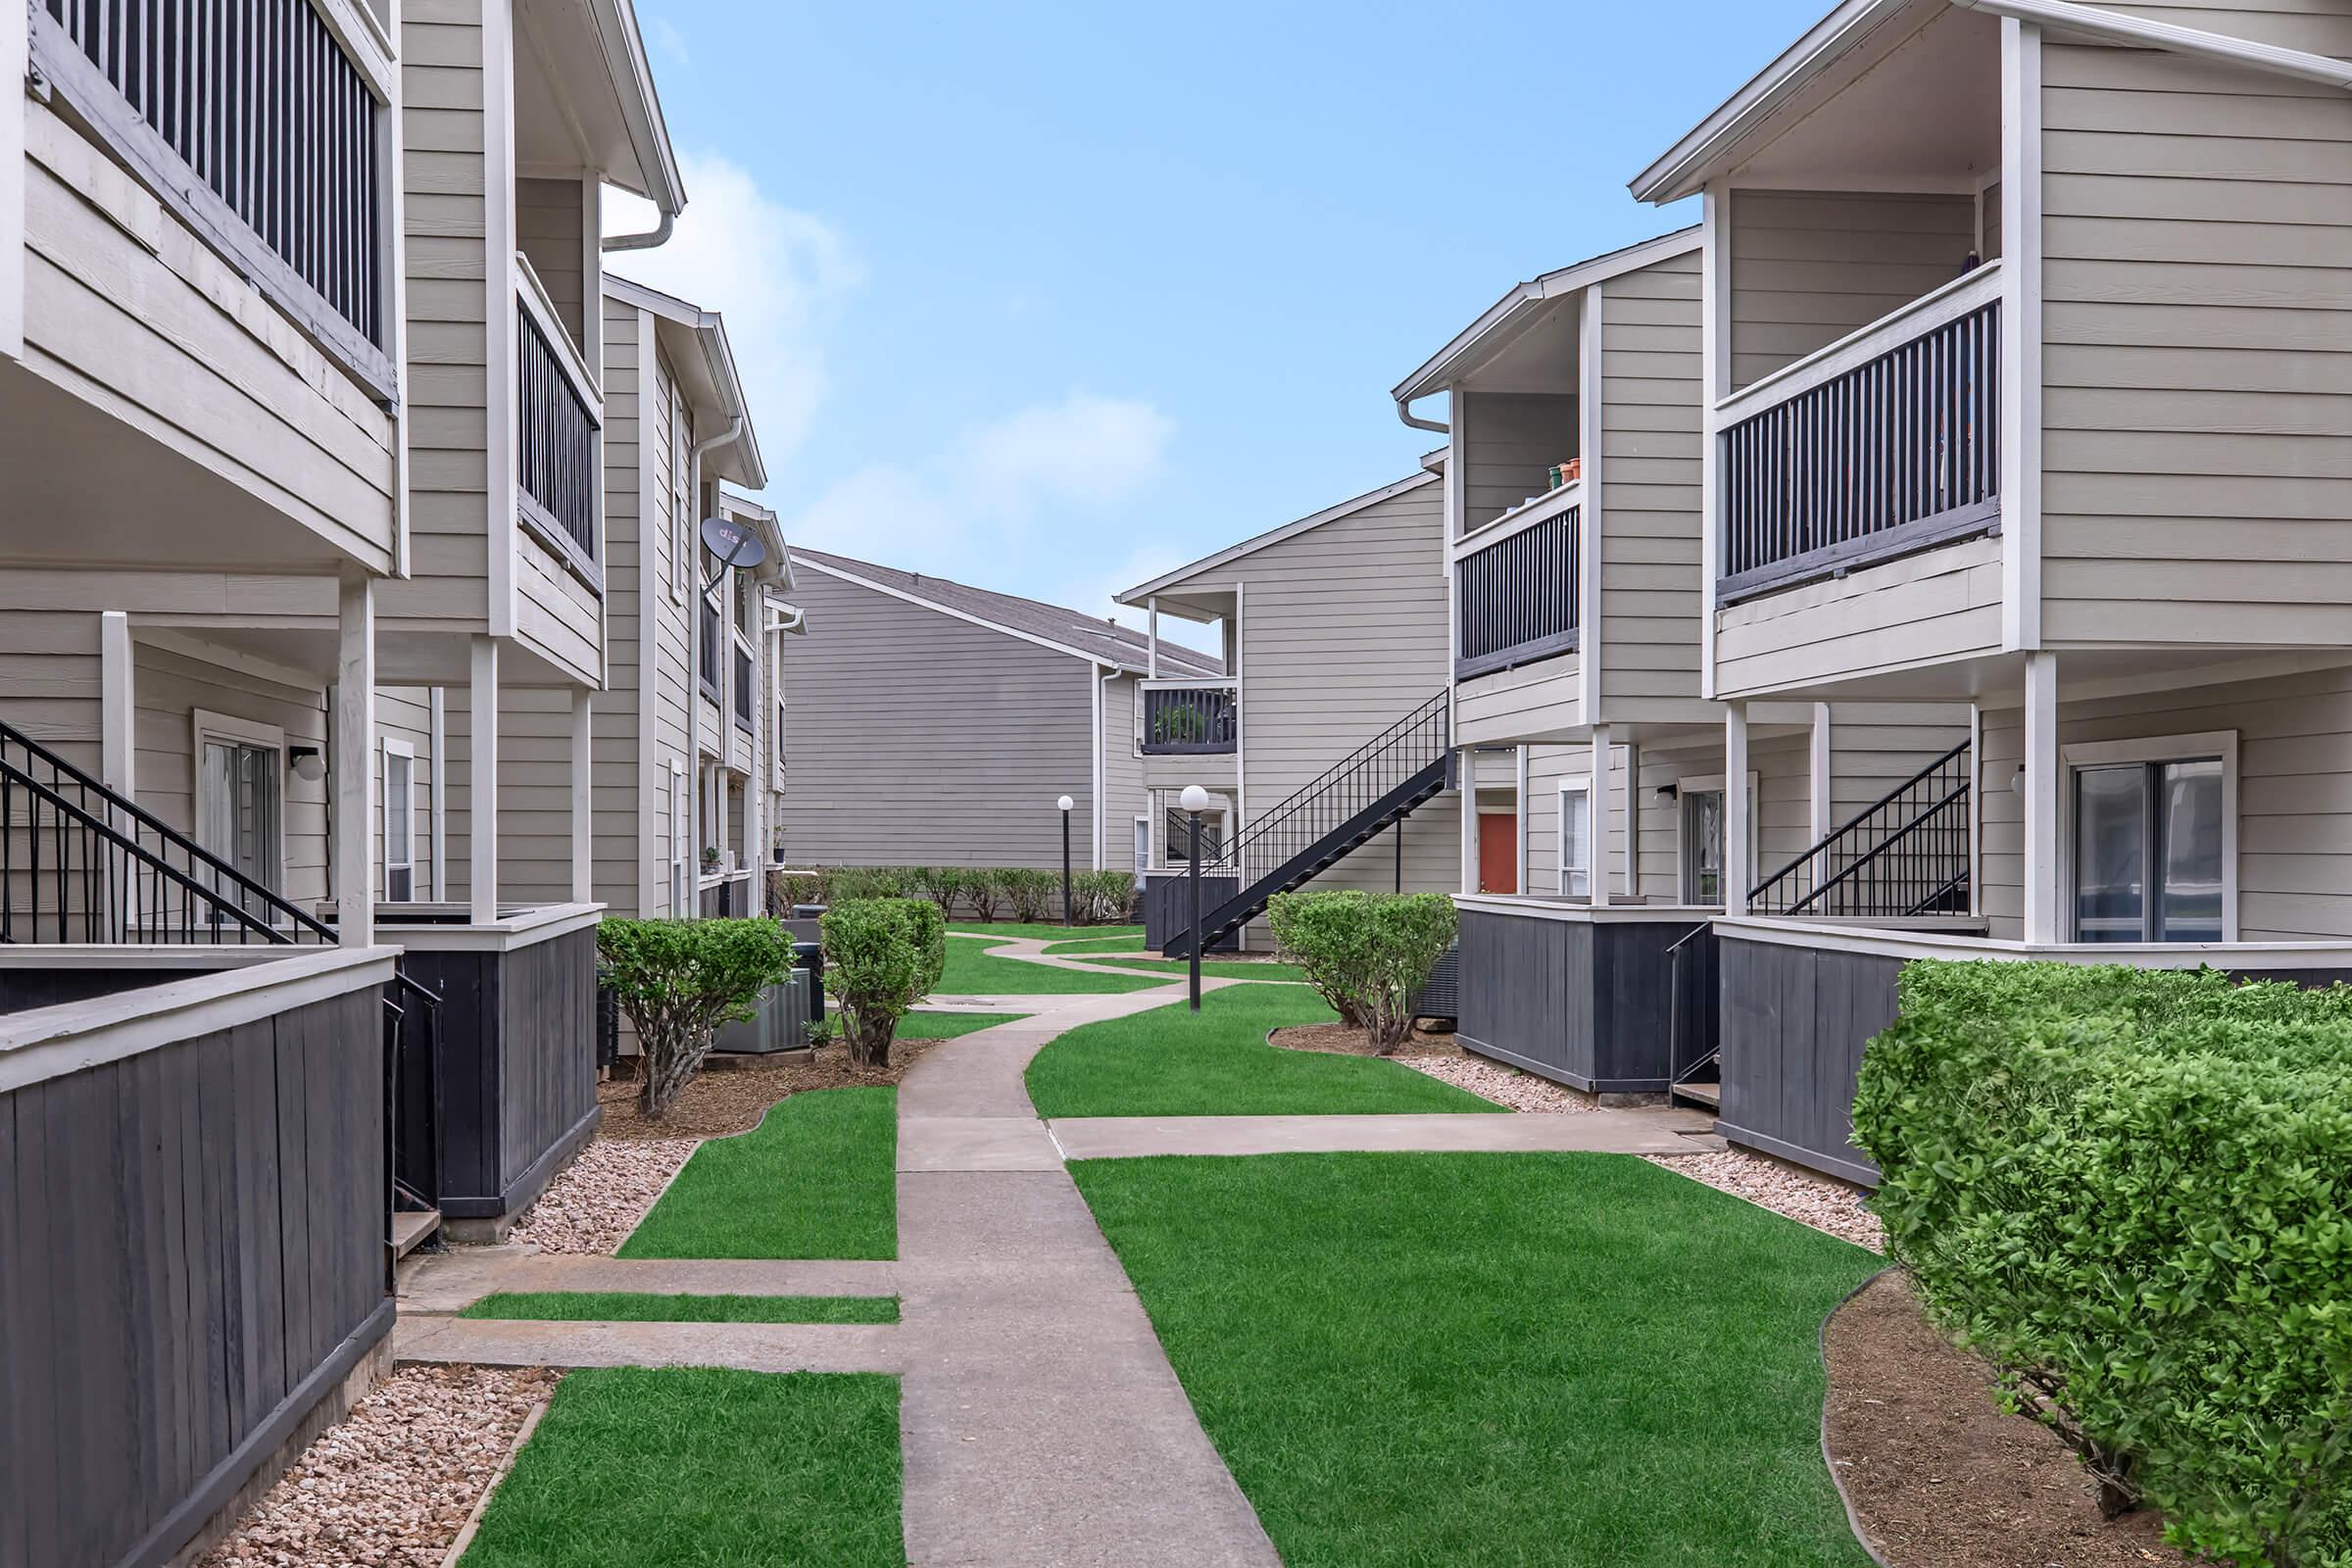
[534, 792]
[1343, 634]
[1651, 449]
[922, 739]
[666, 441]
[1940, 605]
[2287, 26]
[1508, 440]
[405, 714]
[1125, 794]
[1809, 266]
[633, 434]
[547, 231]
[1538, 698]
[2197, 346]
[2294, 794]
[128, 310]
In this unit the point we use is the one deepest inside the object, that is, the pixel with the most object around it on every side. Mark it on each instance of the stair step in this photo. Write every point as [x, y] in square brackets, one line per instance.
[412, 1228]
[1707, 1095]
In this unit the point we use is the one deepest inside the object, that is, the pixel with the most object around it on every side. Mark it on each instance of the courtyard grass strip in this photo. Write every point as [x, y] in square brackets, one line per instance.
[971, 972]
[1173, 1062]
[641, 1307]
[1494, 1358]
[816, 1179]
[948, 1025]
[695, 1467]
[1043, 931]
[1097, 945]
[1221, 968]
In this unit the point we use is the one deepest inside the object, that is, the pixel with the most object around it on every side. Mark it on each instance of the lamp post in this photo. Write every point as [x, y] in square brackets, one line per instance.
[1065, 803]
[1194, 801]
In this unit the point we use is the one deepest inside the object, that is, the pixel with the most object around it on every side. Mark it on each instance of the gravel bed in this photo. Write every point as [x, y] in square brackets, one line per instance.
[391, 1485]
[1505, 1086]
[1806, 1199]
[732, 1093]
[597, 1200]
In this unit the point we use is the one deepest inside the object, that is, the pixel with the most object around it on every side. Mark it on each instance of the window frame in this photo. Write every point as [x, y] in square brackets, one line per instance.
[254, 733]
[2148, 750]
[681, 887]
[1713, 783]
[393, 747]
[1581, 785]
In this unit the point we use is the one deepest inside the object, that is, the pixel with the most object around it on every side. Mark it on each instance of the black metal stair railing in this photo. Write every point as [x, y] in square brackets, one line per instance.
[1907, 853]
[1380, 783]
[78, 863]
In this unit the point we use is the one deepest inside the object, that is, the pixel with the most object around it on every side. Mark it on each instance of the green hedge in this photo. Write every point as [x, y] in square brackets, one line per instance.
[882, 956]
[1366, 954]
[2129, 1188]
[1025, 893]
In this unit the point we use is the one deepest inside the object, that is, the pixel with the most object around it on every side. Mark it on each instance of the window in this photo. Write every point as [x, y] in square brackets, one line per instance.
[1576, 838]
[1143, 842]
[2153, 830]
[1703, 846]
[400, 821]
[240, 798]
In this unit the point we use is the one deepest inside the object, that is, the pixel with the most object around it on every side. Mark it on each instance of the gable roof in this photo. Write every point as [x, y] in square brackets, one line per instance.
[713, 371]
[1274, 536]
[1066, 631]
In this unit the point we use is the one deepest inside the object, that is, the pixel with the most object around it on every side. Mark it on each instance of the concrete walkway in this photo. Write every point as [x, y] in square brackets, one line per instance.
[746, 1346]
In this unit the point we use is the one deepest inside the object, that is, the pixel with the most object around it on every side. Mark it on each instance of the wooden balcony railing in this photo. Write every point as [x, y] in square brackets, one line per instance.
[260, 124]
[558, 447]
[1190, 718]
[1515, 599]
[1881, 444]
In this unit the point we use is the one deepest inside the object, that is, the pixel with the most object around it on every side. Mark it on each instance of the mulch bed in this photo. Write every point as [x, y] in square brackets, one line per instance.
[1939, 1475]
[1338, 1040]
[732, 1093]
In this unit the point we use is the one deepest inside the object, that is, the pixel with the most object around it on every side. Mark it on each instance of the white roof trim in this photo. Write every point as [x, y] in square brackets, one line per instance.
[1100, 659]
[710, 329]
[2099, 22]
[1288, 530]
[1509, 310]
[776, 570]
[1680, 169]
[623, 47]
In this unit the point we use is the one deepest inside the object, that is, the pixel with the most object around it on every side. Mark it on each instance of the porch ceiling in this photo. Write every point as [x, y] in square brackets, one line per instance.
[1928, 110]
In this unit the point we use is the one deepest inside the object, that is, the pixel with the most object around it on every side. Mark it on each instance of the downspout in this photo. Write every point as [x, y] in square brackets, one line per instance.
[1405, 413]
[658, 235]
[694, 663]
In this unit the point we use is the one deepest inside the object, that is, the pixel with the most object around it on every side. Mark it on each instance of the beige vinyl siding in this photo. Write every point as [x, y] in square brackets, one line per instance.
[1989, 217]
[1342, 635]
[1941, 604]
[2294, 833]
[2197, 367]
[2313, 25]
[128, 310]
[446, 378]
[406, 713]
[615, 746]
[51, 681]
[920, 738]
[1876, 747]
[1509, 439]
[1810, 267]
[1125, 796]
[1509, 705]
[547, 232]
[556, 614]
[1650, 474]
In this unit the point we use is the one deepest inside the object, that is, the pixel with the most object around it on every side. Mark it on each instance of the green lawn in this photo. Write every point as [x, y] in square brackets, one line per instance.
[1409, 1359]
[971, 972]
[702, 1468]
[1172, 1063]
[1222, 968]
[631, 1306]
[948, 1025]
[1044, 931]
[818, 1178]
[1097, 945]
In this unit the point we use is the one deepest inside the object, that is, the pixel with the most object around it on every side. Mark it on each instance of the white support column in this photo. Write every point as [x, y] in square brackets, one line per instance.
[1738, 874]
[2042, 798]
[355, 789]
[118, 746]
[1821, 772]
[481, 781]
[1153, 613]
[1519, 819]
[436, 776]
[1466, 766]
[1632, 820]
[583, 797]
[1602, 816]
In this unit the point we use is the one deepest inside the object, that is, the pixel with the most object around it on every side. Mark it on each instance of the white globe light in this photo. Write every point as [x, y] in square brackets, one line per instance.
[1065, 803]
[1195, 798]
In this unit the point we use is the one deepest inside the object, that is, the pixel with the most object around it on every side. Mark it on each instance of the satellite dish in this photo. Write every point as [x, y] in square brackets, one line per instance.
[732, 543]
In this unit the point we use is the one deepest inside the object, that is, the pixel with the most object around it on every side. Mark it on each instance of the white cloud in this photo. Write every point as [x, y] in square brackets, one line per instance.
[1098, 595]
[776, 274]
[995, 499]
[668, 40]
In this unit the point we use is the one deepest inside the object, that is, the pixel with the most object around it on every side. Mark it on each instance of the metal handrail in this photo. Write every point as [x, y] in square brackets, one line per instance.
[1839, 840]
[1346, 778]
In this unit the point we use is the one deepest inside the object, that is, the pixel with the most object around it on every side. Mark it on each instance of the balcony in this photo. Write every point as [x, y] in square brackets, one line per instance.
[714, 640]
[1189, 718]
[1515, 599]
[559, 415]
[743, 689]
[1884, 443]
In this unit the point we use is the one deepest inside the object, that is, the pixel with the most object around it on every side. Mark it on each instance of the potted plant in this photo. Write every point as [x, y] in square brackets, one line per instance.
[709, 860]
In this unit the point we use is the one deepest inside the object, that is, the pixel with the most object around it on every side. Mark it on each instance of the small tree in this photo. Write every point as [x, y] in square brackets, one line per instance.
[882, 956]
[677, 981]
[1101, 897]
[1366, 954]
[982, 888]
[1031, 893]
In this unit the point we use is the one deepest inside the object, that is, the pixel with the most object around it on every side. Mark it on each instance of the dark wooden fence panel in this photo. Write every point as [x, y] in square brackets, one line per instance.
[1586, 1003]
[1168, 910]
[191, 1258]
[1794, 1025]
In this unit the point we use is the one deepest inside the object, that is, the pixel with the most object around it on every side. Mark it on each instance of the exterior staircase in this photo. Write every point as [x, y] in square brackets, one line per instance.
[1380, 784]
[1904, 857]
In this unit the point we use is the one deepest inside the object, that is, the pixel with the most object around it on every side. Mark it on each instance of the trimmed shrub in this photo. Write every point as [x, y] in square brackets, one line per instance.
[1366, 954]
[982, 892]
[1102, 897]
[942, 885]
[678, 981]
[882, 956]
[1032, 894]
[2130, 1189]
[851, 882]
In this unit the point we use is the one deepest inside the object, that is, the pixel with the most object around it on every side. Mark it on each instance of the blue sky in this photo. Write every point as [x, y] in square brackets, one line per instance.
[1052, 298]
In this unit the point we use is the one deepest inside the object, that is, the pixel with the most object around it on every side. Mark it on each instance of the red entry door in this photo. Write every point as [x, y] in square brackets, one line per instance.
[1498, 852]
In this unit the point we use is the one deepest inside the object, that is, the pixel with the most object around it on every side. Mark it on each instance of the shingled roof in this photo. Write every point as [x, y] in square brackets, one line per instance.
[1094, 636]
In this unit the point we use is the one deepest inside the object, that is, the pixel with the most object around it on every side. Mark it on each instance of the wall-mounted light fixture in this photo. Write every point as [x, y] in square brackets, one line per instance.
[308, 762]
